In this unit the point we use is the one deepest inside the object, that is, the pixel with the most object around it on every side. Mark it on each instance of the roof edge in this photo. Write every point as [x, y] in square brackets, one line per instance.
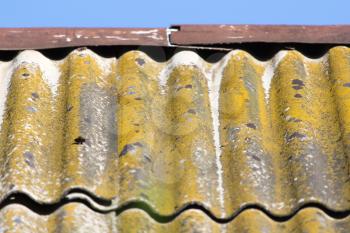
[230, 34]
[44, 38]
[176, 35]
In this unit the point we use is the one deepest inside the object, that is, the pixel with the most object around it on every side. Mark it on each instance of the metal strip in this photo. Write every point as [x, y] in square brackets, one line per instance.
[43, 38]
[228, 34]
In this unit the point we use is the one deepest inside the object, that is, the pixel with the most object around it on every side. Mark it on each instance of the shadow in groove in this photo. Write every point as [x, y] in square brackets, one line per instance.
[47, 208]
[261, 51]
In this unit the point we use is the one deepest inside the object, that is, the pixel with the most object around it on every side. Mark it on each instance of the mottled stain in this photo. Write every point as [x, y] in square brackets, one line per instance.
[297, 84]
[233, 134]
[293, 119]
[192, 111]
[140, 61]
[251, 83]
[25, 75]
[17, 220]
[79, 140]
[129, 147]
[35, 96]
[97, 124]
[69, 108]
[295, 135]
[31, 109]
[251, 125]
[29, 159]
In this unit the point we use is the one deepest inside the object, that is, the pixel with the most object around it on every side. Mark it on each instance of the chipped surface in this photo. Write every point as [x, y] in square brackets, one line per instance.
[223, 136]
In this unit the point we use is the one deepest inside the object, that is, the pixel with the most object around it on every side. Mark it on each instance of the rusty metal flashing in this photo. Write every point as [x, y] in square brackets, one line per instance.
[44, 38]
[228, 34]
[204, 36]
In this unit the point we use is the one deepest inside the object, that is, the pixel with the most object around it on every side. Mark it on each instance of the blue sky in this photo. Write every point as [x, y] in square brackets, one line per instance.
[147, 13]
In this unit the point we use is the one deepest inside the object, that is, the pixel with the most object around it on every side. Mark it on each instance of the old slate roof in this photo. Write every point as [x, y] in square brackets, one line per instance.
[129, 143]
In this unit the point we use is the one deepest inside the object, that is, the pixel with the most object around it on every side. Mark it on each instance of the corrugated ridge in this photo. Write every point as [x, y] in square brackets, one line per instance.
[76, 217]
[94, 115]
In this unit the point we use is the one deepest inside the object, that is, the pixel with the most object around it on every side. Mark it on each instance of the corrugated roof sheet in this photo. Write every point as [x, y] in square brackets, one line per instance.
[224, 137]
[78, 218]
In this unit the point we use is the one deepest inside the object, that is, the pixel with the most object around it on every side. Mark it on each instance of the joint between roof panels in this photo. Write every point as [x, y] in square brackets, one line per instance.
[169, 31]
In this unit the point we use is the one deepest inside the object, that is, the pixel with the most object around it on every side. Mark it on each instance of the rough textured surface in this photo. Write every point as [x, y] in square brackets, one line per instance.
[78, 218]
[223, 136]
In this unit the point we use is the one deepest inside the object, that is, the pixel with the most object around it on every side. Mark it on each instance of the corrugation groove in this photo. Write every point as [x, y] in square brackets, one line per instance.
[236, 133]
